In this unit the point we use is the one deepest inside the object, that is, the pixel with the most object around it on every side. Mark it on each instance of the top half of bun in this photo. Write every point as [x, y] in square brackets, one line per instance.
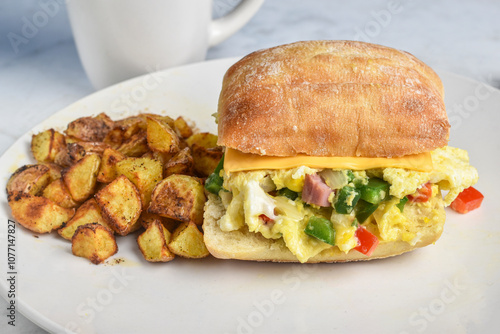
[332, 98]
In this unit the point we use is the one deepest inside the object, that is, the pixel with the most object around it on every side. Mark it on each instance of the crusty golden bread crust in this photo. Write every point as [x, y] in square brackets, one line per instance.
[244, 245]
[332, 98]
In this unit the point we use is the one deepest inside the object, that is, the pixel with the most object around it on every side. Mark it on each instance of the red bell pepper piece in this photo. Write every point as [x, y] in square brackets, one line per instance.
[467, 200]
[367, 242]
[422, 195]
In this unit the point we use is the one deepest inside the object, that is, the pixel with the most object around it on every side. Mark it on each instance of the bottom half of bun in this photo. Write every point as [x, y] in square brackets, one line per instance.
[245, 245]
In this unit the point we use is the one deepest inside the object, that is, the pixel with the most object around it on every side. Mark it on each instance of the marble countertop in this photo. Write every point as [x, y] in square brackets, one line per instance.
[43, 74]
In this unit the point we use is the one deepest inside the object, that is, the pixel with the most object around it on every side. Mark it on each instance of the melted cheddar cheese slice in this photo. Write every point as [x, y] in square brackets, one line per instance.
[236, 161]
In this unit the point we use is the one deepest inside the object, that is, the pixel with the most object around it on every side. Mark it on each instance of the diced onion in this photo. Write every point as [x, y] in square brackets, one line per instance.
[335, 179]
[267, 184]
[288, 207]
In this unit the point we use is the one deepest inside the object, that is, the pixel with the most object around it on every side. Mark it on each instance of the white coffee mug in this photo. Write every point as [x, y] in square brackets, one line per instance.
[121, 39]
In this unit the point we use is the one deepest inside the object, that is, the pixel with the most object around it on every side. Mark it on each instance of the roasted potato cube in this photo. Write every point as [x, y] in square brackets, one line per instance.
[205, 159]
[81, 178]
[45, 145]
[153, 243]
[29, 179]
[161, 137]
[120, 204]
[92, 129]
[59, 194]
[135, 146]
[88, 213]
[203, 139]
[181, 163]
[145, 173]
[179, 197]
[38, 214]
[187, 241]
[206, 153]
[107, 171]
[94, 242]
[183, 128]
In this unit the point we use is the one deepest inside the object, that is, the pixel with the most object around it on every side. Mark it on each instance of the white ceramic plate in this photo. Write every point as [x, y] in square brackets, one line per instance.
[452, 286]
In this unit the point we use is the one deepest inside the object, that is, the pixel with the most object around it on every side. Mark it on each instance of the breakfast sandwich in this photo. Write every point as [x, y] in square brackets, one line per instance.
[334, 151]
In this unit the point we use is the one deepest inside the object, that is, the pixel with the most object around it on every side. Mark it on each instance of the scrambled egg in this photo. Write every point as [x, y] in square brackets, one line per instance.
[393, 225]
[451, 172]
[249, 197]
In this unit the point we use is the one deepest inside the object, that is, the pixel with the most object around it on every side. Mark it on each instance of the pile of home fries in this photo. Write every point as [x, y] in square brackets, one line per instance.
[102, 178]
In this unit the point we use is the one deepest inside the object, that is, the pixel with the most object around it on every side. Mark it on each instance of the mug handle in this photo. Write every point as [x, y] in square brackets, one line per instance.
[222, 28]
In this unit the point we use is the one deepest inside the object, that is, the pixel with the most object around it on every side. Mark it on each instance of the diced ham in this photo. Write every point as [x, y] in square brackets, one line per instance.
[316, 191]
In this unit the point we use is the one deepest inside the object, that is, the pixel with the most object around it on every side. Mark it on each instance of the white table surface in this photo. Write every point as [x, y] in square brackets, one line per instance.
[44, 74]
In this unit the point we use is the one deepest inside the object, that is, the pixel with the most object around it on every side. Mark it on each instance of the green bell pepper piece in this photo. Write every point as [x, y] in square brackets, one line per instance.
[290, 194]
[401, 204]
[364, 210]
[346, 199]
[321, 229]
[375, 191]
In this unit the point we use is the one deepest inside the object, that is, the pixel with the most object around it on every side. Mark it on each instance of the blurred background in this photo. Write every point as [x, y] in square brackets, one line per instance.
[40, 72]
